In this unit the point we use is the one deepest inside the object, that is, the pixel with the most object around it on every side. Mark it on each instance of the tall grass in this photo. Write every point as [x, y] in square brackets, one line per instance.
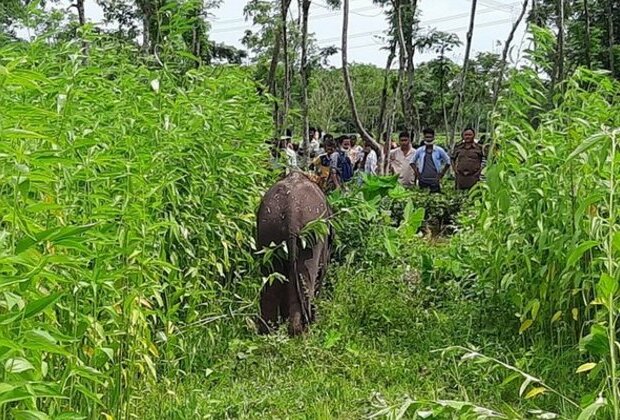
[127, 195]
[542, 243]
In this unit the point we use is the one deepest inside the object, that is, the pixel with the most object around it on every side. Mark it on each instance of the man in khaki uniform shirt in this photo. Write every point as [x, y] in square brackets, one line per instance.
[399, 161]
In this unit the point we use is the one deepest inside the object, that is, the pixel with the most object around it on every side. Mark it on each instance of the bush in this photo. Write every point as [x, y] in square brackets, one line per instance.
[128, 198]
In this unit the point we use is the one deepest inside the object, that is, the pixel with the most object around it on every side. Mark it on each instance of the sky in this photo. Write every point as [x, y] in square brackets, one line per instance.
[367, 23]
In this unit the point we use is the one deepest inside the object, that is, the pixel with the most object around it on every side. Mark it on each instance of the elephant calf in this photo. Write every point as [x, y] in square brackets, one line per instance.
[286, 208]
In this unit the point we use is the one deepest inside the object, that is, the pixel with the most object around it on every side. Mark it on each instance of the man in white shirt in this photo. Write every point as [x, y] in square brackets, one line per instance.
[400, 159]
[370, 164]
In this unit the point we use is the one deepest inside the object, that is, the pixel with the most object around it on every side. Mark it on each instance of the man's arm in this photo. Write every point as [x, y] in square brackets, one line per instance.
[446, 159]
[414, 165]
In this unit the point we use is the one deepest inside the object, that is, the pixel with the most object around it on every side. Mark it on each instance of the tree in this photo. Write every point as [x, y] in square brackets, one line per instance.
[588, 44]
[305, 10]
[611, 36]
[506, 49]
[456, 110]
[348, 85]
[443, 43]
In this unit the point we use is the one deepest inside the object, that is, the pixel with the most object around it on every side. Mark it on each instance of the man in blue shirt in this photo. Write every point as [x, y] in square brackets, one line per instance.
[430, 163]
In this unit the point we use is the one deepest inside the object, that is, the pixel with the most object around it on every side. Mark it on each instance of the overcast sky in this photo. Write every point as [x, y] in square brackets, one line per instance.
[367, 23]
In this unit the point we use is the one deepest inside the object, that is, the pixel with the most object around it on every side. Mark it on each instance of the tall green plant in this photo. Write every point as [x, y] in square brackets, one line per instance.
[127, 197]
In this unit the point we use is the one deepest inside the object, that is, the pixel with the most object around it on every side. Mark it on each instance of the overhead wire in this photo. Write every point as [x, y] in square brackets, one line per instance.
[425, 23]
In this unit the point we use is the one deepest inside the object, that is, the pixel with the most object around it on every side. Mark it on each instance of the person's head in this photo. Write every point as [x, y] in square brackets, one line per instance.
[468, 135]
[353, 138]
[311, 133]
[405, 140]
[367, 146]
[284, 142]
[344, 142]
[330, 145]
[429, 135]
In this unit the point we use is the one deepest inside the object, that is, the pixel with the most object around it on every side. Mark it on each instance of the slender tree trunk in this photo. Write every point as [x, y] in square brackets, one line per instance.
[384, 91]
[588, 46]
[305, 10]
[456, 111]
[391, 117]
[610, 29]
[558, 74]
[534, 15]
[442, 88]
[286, 93]
[503, 62]
[414, 122]
[406, 47]
[79, 5]
[273, 66]
[349, 88]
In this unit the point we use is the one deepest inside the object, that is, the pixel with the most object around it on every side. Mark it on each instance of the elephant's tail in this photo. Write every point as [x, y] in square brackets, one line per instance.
[295, 279]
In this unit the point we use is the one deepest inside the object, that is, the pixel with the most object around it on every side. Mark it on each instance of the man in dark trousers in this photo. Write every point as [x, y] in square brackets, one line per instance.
[467, 159]
[430, 163]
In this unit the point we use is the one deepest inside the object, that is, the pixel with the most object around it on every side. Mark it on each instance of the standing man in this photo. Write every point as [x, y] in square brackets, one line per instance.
[430, 163]
[356, 153]
[313, 143]
[399, 161]
[370, 159]
[322, 165]
[341, 166]
[468, 157]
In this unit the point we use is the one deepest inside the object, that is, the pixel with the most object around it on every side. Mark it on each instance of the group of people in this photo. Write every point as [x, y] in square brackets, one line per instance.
[337, 161]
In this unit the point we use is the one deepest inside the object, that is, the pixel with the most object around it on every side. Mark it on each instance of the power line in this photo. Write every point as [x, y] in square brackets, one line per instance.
[482, 25]
[437, 20]
[322, 16]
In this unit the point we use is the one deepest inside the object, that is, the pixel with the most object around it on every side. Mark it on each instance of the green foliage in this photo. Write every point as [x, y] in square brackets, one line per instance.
[127, 198]
[542, 241]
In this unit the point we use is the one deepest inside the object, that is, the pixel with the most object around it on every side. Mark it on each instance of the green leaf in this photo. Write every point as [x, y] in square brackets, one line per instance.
[534, 392]
[587, 145]
[33, 308]
[16, 133]
[606, 287]
[586, 367]
[29, 415]
[616, 241]
[588, 412]
[17, 365]
[525, 325]
[596, 342]
[576, 254]
[55, 234]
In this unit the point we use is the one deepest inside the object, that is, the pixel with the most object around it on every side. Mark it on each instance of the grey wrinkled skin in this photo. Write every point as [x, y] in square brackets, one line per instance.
[284, 210]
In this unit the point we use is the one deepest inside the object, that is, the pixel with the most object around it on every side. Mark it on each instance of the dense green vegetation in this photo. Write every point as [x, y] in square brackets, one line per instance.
[129, 276]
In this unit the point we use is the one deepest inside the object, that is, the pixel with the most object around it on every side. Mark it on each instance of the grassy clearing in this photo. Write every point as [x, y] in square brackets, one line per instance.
[373, 347]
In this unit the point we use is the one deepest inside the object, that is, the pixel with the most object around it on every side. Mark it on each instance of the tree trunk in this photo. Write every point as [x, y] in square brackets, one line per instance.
[442, 89]
[534, 16]
[384, 92]
[405, 50]
[79, 5]
[305, 10]
[456, 111]
[588, 46]
[349, 88]
[286, 92]
[502, 65]
[610, 29]
[414, 122]
[559, 59]
[390, 125]
[273, 67]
